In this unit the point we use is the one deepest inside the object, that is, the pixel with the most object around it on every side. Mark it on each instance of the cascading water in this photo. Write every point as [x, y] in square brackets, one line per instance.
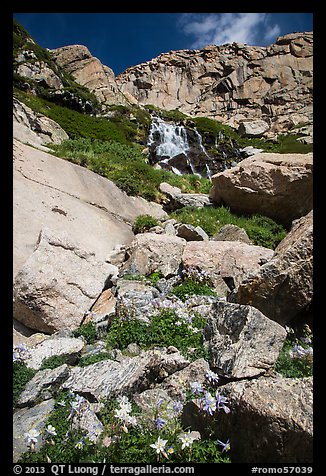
[181, 150]
[168, 141]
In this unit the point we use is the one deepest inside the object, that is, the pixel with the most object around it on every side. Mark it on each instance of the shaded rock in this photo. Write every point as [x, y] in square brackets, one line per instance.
[24, 420]
[226, 262]
[253, 128]
[283, 287]
[154, 402]
[70, 347]
[271, 420]
[242, 342]
[192, 233]
[58, 284]
[275, 185]
[87, 421]
[177, 199]
[43, 386]
[178, 384]
[232, 233]
[150, 252]
[127, 376]
[35, 128]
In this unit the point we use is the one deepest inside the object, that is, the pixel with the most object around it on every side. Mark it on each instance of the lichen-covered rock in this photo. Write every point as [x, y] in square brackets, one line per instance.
[232, 233]
[271, 420]
[127, 376]
[24, 420]
[242, 342]
[70, 347]
[43, 386]
[283, 287]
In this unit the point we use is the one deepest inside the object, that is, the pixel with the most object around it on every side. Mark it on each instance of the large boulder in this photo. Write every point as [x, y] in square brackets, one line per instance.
[225, 261]
[150, 252]
[283, 287]
[275, 185]
[242, 342]
[58, 283]
[255, 128]
[54, 193]
[271, 420]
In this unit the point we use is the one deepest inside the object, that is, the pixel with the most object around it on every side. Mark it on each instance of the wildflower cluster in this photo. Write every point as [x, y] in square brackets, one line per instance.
[123, 414]
[197, 275]
[21, 353]
[296, 357]
[208, 400]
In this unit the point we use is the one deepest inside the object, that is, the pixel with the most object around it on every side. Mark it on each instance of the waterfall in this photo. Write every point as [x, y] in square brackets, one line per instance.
[168, 141]
[172, 139]
[202, 148]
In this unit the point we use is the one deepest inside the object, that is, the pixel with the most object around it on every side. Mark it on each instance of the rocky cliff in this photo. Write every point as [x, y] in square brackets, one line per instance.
[232, 82]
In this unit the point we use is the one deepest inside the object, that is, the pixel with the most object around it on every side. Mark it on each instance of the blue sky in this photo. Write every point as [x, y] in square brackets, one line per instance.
[121, 40]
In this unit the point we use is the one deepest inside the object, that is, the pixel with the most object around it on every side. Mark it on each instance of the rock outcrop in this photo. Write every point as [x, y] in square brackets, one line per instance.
[232, 82]
[275, 185]
[35, 129]
[90, 72]
[283, 287]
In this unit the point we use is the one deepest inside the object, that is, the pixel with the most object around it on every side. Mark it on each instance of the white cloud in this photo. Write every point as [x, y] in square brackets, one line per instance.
[221, 28]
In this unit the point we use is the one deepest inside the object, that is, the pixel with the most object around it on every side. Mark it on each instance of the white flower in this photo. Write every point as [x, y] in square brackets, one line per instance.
[51, 430]
[159, 445]
[186, 439]
[32, 436]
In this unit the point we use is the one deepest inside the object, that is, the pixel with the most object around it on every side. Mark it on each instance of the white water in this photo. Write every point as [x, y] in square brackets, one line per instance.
[173, 139]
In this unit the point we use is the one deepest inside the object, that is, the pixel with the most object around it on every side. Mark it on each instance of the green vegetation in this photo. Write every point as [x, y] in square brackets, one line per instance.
[88, 331]
[165, 329]
[296, 357]
[263, 231]
[86, 360]
[53, 362]
[144, 223]
[21, 375]
[190, 287]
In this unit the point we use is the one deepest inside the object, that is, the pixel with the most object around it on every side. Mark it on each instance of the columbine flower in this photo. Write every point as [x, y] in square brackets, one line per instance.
[121, 414]
[159, 422]
[51, 430]
[159, 402]
[209, 403]
[159, 445]
[20, 352]
[79, 445]
[187, 440]
[221, 401]
[97, 430]
[62, 403]
[212, 376]
[177, 406]
[170, 450]
[32, 436]
[226, 446]
[196, 387]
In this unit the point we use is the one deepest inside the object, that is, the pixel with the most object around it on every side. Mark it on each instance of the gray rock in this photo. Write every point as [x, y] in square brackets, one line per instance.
[271, 420]
[255, 128]
[70, 347]
[192, 233]
[242, 341]
[86, 420]
[43, 386]
[178, 384]
[150, 252]
[58, 284]
[283, 287]
[232, 233]
[136, 295]
[24, 420]
[127, 376]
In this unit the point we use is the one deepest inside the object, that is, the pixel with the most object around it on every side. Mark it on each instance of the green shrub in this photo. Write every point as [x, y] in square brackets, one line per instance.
[21, 375]
[190, 288]
[165, 329]
[86, 360]
[144, 223]
[88, 331]
[53, 362]
[263, 231]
